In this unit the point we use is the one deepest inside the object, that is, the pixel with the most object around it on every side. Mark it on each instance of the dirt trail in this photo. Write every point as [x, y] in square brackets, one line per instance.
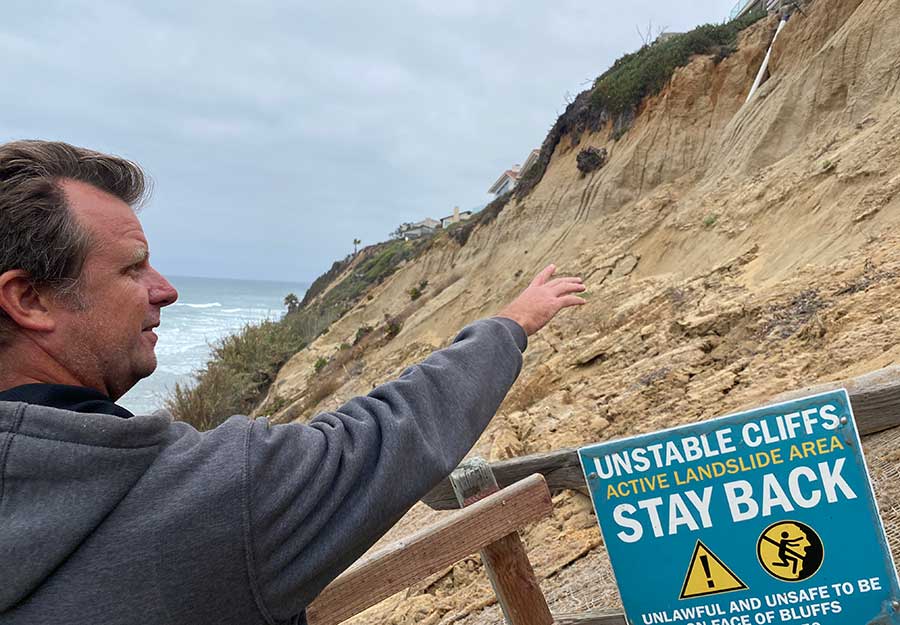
[732, 251]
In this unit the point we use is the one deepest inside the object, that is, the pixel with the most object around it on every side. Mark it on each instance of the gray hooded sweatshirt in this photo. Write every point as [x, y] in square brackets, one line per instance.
[105, 520]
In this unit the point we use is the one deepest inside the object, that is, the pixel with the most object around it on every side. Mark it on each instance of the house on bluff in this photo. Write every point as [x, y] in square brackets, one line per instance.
[510, 178]
[506, 182]
[423, 228]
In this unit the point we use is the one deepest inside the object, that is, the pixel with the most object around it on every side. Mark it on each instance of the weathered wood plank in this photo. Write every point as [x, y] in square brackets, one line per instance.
[405, 562]
[472, 481]
[591, 618]
[560, 468]
[876, 404]
[875, 398]
[505, 560]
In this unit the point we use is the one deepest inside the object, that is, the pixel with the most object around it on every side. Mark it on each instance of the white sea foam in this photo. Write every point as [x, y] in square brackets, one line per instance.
[209, 311]
[210, 305]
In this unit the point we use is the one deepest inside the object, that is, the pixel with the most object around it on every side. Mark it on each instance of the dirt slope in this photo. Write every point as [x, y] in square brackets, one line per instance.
[732, 251]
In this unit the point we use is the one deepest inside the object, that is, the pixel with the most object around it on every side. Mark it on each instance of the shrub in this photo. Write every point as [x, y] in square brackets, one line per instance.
[361, 331]
[616, 93]
[414, 293]
[274, 405]
[591, 159]
[320, 363]
[242, 366]
[710, 220]
[377, 263]
[392, 327]
[207, 404]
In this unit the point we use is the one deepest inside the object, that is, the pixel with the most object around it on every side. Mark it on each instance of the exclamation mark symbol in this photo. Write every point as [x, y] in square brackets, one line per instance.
[704, 560]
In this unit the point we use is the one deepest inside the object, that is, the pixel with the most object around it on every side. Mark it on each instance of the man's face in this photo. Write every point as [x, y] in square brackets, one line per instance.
[109, 342]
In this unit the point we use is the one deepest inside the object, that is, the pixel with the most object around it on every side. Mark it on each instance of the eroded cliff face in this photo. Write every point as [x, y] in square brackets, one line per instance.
[732, 251]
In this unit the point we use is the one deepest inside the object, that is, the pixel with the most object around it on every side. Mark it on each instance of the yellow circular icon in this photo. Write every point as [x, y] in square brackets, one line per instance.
[790, 551]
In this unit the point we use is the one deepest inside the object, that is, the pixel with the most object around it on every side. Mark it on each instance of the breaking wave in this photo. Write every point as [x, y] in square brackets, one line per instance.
[211, 305]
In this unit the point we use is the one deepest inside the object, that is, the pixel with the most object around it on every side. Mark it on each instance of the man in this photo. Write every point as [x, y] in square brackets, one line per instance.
[106, 517]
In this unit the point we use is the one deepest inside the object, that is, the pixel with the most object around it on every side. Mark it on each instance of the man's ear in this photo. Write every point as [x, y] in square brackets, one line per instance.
[22, 302]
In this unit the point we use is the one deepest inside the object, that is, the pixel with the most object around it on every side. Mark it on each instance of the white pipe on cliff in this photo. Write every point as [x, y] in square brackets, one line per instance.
[765, 63]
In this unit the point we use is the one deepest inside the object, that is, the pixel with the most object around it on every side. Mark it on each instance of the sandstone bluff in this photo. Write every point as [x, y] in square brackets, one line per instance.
[732, 251]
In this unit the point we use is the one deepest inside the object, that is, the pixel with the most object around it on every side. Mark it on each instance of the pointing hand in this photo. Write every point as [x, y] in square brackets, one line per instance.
[543, 298]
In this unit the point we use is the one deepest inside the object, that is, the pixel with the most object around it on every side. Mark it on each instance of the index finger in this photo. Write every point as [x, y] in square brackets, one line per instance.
[545, 274]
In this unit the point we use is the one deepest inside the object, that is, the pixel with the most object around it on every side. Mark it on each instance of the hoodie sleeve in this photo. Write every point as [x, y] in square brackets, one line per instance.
[320, 494]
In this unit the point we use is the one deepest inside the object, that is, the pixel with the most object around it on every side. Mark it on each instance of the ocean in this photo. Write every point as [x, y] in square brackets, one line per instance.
[207, 310]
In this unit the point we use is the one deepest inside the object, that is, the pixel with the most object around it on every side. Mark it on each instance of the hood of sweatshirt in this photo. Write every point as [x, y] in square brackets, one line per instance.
[61, 474]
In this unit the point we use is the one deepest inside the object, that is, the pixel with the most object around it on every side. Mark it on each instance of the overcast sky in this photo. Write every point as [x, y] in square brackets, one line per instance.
[276, 132]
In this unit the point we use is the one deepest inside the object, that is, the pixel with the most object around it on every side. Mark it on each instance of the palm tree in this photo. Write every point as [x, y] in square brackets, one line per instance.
[292, 303]
[355, 243]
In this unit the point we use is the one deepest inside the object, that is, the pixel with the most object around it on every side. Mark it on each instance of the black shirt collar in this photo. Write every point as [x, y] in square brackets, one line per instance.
[74, 398]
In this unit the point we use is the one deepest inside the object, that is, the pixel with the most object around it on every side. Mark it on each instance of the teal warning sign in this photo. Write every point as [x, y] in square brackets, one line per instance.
[766, 516]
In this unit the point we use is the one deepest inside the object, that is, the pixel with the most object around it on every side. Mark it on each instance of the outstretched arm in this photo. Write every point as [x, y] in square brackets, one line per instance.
[322, 493]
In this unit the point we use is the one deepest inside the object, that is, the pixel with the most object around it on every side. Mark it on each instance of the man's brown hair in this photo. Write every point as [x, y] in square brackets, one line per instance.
[38, 233]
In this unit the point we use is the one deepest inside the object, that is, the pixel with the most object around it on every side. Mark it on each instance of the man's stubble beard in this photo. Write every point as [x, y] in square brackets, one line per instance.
[104, 361]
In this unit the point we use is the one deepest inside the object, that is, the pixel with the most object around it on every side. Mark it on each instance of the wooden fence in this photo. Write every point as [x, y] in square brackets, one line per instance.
[485, 524]
[498, 499]
[875, 398]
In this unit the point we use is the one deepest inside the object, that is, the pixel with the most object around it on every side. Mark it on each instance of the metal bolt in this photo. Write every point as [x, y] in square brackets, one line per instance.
[896, 605]
[843, 420]
[593, 476]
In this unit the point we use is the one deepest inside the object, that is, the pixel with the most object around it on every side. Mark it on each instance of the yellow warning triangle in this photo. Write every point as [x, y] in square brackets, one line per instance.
[707, 575]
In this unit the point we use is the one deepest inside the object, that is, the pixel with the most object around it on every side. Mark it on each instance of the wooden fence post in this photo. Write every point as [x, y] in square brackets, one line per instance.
[505, 560]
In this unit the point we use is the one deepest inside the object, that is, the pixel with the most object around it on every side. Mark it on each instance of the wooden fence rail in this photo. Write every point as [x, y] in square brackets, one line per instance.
[505, 561]
[875, 398]
[426, 552]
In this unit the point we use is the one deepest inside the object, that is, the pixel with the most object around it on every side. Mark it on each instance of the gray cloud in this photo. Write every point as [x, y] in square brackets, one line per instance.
[276, 132]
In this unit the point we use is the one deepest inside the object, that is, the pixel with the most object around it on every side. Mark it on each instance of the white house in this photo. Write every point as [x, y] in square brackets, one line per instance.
[529, 162]
[746, 6]
[506, 182]
[666, 36]
[423, 228]
[456, 217]
[510, 178]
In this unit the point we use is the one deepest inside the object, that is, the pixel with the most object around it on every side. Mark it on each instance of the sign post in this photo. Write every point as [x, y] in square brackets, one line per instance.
[766, 516]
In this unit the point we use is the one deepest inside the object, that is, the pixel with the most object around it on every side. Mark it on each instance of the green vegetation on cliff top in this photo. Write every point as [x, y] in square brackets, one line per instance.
[622, 87]
[618, 92]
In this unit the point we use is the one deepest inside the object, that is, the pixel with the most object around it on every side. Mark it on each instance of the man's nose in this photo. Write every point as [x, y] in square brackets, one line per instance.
[162, 293]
